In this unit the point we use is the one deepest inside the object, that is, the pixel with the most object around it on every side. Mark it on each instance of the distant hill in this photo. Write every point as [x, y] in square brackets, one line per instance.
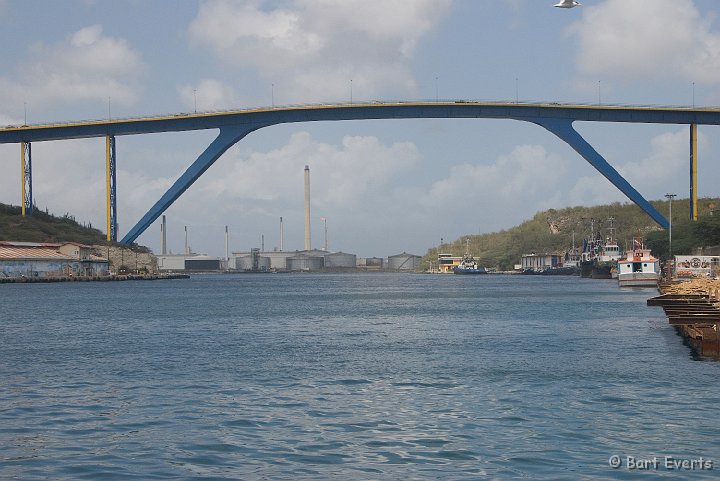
[552, 231]
[45, 227]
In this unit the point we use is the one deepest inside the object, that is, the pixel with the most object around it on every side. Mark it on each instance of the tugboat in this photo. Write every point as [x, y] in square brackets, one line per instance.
[638, 268]
[468, 264]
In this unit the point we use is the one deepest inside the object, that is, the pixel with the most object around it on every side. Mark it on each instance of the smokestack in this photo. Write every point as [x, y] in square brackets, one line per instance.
[227, 238]
[281, 235]
[186, 246]
[307, 208]
[163, 229]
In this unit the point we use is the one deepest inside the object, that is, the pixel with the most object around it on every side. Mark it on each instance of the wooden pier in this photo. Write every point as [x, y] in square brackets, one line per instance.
[693, 307]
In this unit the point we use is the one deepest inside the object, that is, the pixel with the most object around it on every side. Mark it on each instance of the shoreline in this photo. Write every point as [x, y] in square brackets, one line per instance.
[112, 278]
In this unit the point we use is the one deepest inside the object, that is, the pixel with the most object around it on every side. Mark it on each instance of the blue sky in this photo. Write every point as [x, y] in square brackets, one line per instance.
[384, 186]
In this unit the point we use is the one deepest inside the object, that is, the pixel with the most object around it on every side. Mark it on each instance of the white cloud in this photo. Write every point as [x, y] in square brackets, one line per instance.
[647, 38]
[85, 66]
[244, 32]
[342, 176]
[320, 45]
[667, 160]
[652, 176]
[68, 176]
[519, 177]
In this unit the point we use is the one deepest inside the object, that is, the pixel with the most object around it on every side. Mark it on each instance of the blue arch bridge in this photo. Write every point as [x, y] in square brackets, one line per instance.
[234, 125]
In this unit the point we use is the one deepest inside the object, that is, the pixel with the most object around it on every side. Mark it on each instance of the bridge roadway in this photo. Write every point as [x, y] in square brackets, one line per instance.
[233, 125]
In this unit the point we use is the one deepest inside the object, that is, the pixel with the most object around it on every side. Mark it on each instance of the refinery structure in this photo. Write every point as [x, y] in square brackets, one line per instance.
[280, 260]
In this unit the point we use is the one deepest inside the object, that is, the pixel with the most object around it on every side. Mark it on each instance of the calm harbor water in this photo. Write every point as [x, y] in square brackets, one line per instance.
[348, 376]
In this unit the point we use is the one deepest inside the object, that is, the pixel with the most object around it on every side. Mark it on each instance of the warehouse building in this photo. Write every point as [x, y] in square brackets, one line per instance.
[190, 262]
[30, 259]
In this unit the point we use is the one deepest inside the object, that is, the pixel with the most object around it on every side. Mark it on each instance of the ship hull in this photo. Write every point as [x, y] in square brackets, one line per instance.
[469, 272]
[601, 270]
[641, 280]
[586, 269]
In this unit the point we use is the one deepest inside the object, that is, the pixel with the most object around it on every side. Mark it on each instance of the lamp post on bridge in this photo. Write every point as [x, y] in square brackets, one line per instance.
[670, 198]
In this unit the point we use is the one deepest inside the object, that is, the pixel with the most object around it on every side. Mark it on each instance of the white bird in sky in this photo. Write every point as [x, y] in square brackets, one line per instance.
[568, 4]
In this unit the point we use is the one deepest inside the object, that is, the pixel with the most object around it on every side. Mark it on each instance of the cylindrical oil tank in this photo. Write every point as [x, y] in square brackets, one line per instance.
[252, 263]
[304, 262]
[403, 262]
[340, 259]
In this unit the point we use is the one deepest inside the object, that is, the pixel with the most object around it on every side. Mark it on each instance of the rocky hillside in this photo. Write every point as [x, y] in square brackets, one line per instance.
[44, 227]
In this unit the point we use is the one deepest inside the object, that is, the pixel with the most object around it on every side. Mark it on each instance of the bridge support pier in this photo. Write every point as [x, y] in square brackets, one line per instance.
[26, 178]
[111, 190]
[563, 129]
[227, 137]
[693, 173]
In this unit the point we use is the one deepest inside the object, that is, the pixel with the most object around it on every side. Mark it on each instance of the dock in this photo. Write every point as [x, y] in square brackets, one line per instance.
[693, 308]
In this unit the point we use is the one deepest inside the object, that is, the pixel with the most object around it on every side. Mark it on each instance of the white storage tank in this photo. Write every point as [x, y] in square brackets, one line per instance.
[304, 262]
[340, 260]
[252, 263]
[403, 262]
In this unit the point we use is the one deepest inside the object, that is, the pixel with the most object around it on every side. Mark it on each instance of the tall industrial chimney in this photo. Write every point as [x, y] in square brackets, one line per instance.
[307, 208]
[227, 241]
[163, 229]
[281, 235]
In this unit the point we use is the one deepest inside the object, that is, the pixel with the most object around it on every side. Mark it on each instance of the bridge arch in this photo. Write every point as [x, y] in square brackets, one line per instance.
[233, 126]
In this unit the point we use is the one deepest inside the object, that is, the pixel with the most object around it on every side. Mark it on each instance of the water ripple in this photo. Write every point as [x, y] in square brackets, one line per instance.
[345, 377]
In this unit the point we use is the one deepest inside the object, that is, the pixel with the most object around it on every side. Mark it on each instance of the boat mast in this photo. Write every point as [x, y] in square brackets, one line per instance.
[611, 230]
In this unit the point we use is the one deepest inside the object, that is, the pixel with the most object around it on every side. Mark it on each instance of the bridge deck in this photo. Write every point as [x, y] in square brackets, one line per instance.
[359, 111]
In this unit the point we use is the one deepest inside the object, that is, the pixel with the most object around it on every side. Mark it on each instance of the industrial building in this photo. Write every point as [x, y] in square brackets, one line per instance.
[259, 260]
[30, 259]
[448, 262]
[371, 263]
[190, 262]
[540, 262]
[253, 262]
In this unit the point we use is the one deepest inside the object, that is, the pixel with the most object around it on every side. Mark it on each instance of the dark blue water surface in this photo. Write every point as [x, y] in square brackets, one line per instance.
[347, 376]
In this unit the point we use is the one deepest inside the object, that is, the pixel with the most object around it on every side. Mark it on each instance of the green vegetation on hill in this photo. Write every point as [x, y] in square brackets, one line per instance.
[552, 231]
[44, 227]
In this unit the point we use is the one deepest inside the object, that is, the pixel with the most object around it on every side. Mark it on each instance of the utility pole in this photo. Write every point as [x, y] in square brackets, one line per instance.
[324, 219]
[670, 197]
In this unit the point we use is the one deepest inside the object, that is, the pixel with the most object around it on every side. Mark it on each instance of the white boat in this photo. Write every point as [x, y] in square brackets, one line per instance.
[638, 268]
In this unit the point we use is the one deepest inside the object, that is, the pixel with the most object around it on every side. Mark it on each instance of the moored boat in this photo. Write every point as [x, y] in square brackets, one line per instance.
[599, 257]
[638, 268]
[468, 264]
